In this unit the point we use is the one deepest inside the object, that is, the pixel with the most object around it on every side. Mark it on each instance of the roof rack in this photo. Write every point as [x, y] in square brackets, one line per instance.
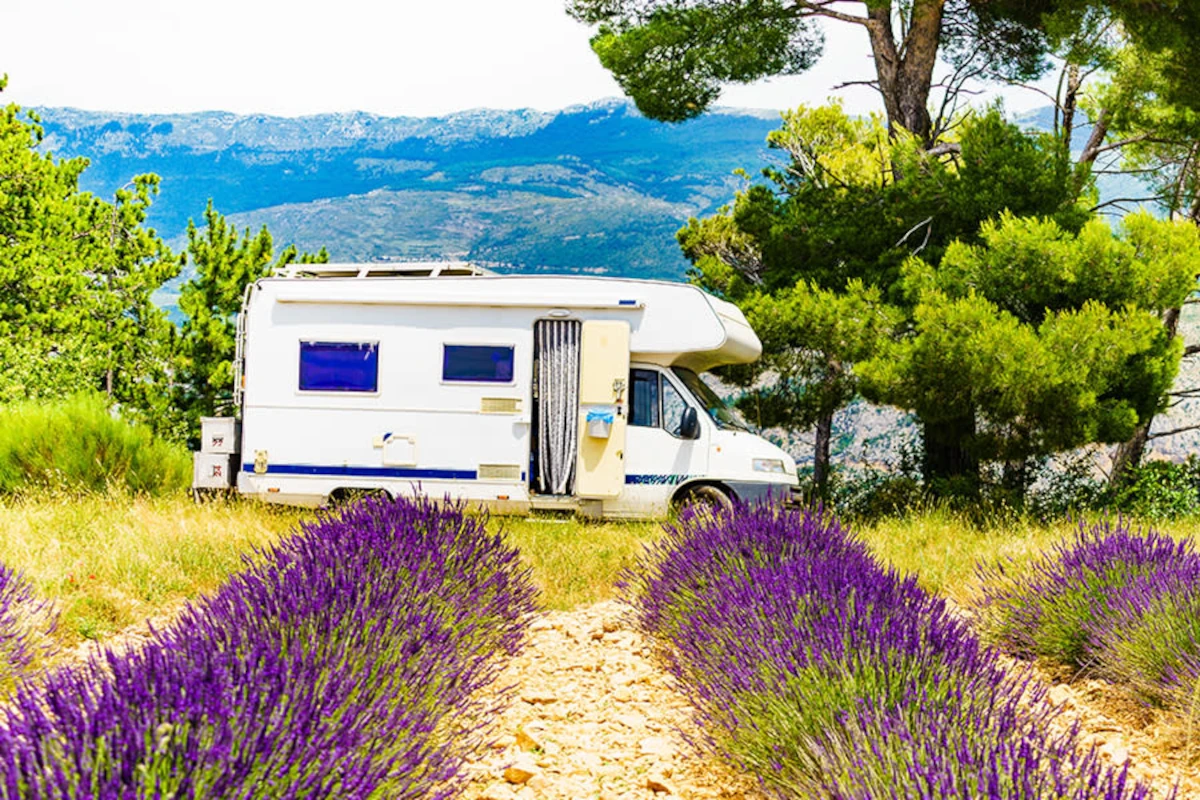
[385, 269]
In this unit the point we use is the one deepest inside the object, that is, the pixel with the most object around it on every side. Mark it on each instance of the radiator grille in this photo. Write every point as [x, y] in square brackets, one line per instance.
[499, 472]
[500, 405]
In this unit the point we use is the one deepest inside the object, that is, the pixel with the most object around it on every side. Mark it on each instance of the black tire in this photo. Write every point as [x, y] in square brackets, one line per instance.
[349, 495]
[704, 498]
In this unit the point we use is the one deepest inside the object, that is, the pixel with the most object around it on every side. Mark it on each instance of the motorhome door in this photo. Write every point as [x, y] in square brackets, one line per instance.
[603, 401]
[556, 405]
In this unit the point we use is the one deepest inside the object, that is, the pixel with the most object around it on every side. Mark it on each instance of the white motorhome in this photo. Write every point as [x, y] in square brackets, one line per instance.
[518, 392]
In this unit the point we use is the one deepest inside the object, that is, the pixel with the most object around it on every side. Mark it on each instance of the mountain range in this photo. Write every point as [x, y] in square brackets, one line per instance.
[596, 188]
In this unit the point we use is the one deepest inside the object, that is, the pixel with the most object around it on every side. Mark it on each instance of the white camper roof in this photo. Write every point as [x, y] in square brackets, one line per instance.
[670, 323]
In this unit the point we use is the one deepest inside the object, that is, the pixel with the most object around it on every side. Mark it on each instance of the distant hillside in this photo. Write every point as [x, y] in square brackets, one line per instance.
[594, 188]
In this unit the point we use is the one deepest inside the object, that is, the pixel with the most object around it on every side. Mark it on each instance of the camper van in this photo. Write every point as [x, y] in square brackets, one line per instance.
[516, 392]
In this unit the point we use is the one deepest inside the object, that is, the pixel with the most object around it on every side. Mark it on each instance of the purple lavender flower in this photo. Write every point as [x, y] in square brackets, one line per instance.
[829, 676]
[25, 623]
[1055, 607]
[343, 662]
[1149, 637]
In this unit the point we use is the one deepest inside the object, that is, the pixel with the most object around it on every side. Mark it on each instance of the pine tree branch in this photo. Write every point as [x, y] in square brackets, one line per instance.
[1119, 200]
[1096, 139]
[821, 9]
[1174, 431]
[944, 148]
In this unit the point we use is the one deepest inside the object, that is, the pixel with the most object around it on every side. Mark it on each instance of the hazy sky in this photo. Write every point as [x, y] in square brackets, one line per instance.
[405, 57]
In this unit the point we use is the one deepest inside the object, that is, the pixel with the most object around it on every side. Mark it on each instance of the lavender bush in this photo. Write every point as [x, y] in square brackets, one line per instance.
[827, 675]
[25, 625]
[1049, 609]
[344, 662]
[1118, 603]
[1150, 639]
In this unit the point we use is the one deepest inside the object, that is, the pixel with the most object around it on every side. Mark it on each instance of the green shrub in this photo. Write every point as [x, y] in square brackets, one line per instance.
[1068, 488]
[1161, 490]
[79, 445]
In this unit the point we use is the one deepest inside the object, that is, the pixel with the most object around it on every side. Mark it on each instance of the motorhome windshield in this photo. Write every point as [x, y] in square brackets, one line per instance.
[722, 414]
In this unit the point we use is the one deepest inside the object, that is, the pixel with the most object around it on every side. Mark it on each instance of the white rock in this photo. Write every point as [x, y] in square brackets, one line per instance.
[498, 791]
[539, 697]
[656, 746]
[1061, 695]
[1115, 750]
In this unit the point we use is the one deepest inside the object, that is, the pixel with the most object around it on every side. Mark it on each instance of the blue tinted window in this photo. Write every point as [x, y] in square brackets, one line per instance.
[643, 398]
[339, 366]
[485, 363]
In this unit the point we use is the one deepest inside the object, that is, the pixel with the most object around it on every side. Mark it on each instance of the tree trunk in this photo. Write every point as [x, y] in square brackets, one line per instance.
[948, 451]
[1129, 454]
[821, 452]
[906, 73]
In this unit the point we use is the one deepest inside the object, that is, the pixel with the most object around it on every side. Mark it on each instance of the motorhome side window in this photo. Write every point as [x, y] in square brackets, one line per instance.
[339, 366]
[654, 402]
[643, 398]
[673, 406]
[477, 363]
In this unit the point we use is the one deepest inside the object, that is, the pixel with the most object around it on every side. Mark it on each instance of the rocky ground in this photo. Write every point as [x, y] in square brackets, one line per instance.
[594, 717]
[1157, 746]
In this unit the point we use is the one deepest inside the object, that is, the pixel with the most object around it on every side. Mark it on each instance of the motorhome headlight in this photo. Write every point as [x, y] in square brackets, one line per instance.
[768, 465]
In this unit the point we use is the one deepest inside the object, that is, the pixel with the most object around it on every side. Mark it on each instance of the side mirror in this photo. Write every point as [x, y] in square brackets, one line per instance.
[689, 426]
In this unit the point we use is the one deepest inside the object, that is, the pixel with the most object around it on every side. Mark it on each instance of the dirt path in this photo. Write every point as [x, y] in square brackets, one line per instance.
[594, 717]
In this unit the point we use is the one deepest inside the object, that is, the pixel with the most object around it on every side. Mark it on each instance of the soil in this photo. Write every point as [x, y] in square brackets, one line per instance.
[1158, 745]
[593, 716]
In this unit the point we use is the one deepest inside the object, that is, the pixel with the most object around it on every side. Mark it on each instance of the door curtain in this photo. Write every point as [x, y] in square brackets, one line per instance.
[557, 342]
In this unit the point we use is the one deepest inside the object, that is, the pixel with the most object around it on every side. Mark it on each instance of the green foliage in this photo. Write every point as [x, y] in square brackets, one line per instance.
[1171, 35]
[226, 263]
[672, 59]
[79, 445]
[871, 494]
[853, 203]
[1009, 336]
[811, 339]
[1157, 137]
[1160, 490]
[76, 277]
[1048, 340]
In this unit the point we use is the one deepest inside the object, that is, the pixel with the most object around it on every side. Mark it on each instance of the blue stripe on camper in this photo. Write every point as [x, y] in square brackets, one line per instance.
[365, 472]
[433, 474]
[658, 480]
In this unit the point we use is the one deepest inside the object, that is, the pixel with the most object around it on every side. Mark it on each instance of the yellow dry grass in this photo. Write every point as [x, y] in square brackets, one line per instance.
[943, 549]
[575, 563]
[109, 562]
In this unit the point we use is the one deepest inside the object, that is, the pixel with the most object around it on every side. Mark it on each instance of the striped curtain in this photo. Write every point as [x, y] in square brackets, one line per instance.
[558, 403]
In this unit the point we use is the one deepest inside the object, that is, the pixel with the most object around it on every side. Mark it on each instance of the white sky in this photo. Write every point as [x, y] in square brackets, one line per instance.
[404, 57]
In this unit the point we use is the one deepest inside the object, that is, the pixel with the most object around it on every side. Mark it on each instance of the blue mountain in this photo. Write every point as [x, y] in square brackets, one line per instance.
[596, 188]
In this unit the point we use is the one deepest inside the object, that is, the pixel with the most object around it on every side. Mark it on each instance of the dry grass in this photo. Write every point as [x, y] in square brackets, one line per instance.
[110, 562]
[576, 563]
[943, 550]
